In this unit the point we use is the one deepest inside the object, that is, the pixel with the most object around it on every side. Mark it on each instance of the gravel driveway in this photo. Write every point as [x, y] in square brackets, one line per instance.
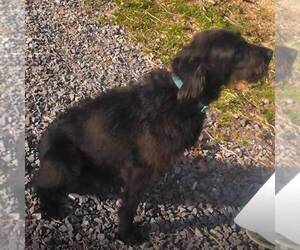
[70, 57]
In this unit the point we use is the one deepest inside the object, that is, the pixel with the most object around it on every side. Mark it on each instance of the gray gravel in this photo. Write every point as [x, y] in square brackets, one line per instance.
[70, 57]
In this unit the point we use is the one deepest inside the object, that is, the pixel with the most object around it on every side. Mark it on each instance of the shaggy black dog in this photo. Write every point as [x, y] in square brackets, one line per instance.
[131, 135]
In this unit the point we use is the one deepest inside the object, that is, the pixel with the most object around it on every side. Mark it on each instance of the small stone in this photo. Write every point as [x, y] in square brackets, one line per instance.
[68, 225]
[265, 101]
[119, 202]
[100, 236]
[198, 233]
[38, 216]
[190, 208]
[183, 214]
[78, 237]
[183, 233]
[234, 241]
[217, 234]
[210, 210]
[63, 228]
[181, 209]
[194, 211]
[243, 122]
[85, 223]
[30, 158]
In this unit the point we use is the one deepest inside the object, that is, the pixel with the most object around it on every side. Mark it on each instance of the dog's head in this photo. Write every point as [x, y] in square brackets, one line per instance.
[216, 57]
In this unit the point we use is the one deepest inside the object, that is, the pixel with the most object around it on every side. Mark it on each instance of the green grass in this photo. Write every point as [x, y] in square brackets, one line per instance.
[246, 142]
[162, 27]
[103, 20]
[152, 27]
[236, 102]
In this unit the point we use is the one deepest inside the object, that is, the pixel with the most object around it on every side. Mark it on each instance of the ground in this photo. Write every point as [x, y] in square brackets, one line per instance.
[74, 52]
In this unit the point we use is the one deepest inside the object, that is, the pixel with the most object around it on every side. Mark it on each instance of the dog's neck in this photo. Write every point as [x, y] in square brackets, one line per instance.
[205, 99]
[212, 88]
[200, 105]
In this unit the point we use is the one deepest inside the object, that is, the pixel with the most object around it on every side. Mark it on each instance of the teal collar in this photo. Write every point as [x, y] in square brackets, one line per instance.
[178, 82]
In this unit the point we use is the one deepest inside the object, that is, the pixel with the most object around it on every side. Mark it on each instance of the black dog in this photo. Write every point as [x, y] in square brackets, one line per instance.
[131, 135]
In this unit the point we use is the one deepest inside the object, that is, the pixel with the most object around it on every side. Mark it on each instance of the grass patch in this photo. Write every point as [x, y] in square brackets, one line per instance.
[163, 27]
[103, 20]
[233, 102]
[269, 115]
[246, 142]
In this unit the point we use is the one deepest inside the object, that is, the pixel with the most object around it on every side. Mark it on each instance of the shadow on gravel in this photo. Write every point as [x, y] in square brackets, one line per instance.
[188, 198]
[204, 199]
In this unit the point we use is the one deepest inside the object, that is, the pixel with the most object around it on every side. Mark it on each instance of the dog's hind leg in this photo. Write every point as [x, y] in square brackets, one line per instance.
[59, 170]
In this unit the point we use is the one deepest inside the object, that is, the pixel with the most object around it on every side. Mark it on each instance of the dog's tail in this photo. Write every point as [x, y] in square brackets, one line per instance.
[55, 163]
[60, 165]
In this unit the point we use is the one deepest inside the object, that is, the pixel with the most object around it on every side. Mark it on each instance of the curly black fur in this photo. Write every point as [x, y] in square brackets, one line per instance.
[131, 135]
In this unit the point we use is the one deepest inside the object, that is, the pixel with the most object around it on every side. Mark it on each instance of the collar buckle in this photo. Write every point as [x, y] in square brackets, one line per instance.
[204, 109]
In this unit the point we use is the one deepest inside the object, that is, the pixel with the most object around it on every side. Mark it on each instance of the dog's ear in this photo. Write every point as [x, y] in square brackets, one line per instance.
[193, 85]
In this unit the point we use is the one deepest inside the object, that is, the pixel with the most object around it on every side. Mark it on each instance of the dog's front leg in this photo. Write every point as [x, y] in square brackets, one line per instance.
[134, 185]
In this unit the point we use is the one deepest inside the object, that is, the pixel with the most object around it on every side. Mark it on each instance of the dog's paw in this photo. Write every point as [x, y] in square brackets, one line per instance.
[57, 211]
[135, 236]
